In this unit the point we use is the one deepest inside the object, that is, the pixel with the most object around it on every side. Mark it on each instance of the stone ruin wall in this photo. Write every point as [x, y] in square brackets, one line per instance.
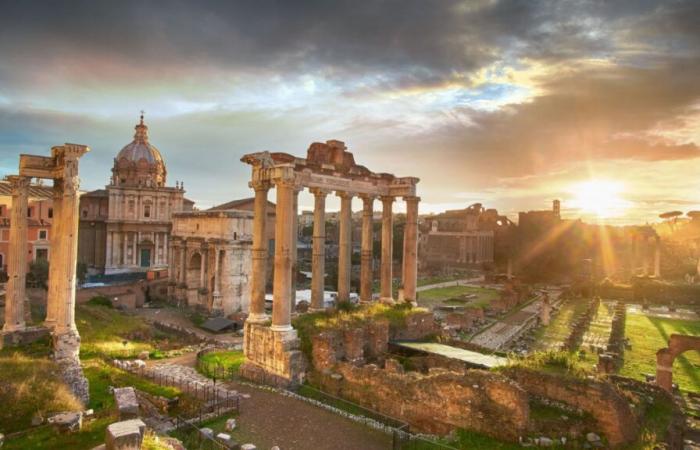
[437, 402]
[601, 399]
[273, 357]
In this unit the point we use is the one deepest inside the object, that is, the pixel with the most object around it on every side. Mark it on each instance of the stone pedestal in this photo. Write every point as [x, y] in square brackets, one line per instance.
[272, 357]
[22, 337]
[125, 435]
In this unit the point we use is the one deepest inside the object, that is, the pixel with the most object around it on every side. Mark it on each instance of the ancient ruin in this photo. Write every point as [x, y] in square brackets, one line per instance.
[62, 168]
[272, 351]
[677, 344]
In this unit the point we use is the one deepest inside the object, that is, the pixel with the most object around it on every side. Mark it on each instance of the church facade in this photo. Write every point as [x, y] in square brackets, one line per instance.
[126, 227]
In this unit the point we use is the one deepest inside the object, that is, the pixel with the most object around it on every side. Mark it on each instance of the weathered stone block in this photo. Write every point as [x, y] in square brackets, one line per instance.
[125, 435]
[127, 403]
[67, 422]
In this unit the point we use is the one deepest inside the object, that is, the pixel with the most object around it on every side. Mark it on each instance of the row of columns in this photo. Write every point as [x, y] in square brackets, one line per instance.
[285, 250]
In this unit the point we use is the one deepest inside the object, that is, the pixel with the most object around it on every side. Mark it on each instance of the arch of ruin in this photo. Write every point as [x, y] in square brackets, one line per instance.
[272, 351]
[677, 344]
[62, 168]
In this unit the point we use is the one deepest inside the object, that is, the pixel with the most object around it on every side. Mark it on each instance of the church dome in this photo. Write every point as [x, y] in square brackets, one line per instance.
[139, 163]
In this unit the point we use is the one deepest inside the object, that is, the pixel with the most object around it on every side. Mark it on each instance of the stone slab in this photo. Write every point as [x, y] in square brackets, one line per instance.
[127, 403]
[125, 435]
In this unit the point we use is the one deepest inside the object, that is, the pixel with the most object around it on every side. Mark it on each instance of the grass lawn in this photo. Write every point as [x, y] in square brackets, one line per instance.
[110, 333]
[45, 438]
[29, 386]
[226, 362]
[434, 297]
[647, 335]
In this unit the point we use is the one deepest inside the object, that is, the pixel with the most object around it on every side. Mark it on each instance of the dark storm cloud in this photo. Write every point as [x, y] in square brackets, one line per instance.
[414, 40]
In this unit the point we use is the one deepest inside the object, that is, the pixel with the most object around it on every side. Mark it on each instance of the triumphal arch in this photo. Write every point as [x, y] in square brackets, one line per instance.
[62, 168]
[272, 348]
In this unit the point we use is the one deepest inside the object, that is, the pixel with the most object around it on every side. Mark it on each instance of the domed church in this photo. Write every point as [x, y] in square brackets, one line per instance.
[126, 226]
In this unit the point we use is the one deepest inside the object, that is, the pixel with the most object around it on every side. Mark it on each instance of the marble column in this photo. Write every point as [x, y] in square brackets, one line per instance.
[125, 246]
[387, 253]
[318, 258]
[282, 284]
[345, 246]
[108, 256]
[202, 269]
[53, 297]
[295, 239]
[216, 296]
[67, 257]
[17, 255]
[259, 253]
[410, 249]
[366, 268]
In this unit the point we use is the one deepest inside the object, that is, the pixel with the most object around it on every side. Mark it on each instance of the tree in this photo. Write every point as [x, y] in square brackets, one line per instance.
[38, 273]
[671, 217]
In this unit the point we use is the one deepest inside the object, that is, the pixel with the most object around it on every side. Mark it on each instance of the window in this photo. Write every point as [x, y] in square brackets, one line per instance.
[29, 211]
[2, 261]
[43, 235]
[50, 213]
[2, 210]
[42, 254]
[131, 206]
[85, 213]
[147, 211]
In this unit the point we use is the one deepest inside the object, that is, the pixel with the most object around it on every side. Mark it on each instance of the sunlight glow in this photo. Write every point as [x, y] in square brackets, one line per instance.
[599, 198]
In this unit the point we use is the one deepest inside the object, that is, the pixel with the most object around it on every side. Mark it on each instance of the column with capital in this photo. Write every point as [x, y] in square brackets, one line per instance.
[344, 246]
[282, 284]
[387, 249]
[318, 258]
[366, 268]
[56, 241]
[17, 261]
[259, 252]
[410, 249]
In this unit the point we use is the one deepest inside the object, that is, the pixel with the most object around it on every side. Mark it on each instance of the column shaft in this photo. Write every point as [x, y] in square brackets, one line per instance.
[318, 258]
[17, 261]
[259, 254]
[67, 257]
[410, 249]
[366, 268]
[282, 285]
[295, 239]
[387, 251]
[56, 238]
[345, 247]
[202, 270]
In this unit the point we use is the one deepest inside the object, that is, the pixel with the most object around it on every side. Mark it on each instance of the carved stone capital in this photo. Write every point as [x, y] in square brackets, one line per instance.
[319, 192]
[344, 194]
[260, 185]
[19, 184]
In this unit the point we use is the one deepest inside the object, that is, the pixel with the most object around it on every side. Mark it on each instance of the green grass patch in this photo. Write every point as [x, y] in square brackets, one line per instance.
[101, 375]
[653, 429]
[434, 297]
[100, 300]
[109, 333]
[31, 386]
[46, 438]
[550, 361]
[554, 335]
[473, 440]
[647, 335]
[216, 363]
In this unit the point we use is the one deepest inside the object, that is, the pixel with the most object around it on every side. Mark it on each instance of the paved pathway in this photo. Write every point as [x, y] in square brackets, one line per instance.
[463, 282]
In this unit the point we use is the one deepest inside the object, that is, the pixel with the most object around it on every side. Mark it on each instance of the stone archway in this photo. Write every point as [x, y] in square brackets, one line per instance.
[677, 344]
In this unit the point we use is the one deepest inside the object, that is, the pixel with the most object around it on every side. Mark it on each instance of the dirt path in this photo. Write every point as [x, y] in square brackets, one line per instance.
[175, 317]
[270, 418]
[275, 419]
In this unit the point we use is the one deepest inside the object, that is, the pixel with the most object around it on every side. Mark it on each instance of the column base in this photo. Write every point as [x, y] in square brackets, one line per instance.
[281, 328]
[313, 309]
[272, 357]
[387, 300]
[14, 327]
[65, 344]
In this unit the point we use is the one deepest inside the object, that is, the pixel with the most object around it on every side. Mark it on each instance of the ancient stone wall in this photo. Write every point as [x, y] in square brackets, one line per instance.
[418, 326]
[436, 403]
[354, 344]
[601, 399]
[272, 357]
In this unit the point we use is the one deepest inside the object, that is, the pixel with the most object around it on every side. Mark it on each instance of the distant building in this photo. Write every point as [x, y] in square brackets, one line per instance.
[39, 218]
[462, 238]
[126, 226]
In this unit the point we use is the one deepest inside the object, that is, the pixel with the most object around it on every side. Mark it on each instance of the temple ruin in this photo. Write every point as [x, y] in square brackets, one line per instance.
[272, 351]
[62, 168]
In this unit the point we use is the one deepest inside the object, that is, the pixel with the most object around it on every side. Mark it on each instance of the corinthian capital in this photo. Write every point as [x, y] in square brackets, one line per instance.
[19, 184]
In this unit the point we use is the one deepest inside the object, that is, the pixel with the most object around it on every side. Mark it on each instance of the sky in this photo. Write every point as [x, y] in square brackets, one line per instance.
[507, 103]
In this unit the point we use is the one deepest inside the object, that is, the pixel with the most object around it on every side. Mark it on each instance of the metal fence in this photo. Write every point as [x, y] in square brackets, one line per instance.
[193, 438]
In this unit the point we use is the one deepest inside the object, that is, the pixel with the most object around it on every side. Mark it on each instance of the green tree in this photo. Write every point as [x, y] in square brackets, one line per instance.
[38, 273]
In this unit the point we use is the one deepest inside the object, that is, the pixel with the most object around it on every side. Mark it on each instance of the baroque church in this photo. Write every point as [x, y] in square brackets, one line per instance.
[126, 227]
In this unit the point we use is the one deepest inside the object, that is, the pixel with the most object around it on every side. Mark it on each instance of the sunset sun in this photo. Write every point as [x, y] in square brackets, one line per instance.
[599, 198]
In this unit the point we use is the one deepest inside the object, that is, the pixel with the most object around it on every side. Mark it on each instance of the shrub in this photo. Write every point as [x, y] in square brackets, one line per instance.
[100, 300]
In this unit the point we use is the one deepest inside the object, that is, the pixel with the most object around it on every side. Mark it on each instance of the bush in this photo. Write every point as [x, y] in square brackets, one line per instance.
[100, 300]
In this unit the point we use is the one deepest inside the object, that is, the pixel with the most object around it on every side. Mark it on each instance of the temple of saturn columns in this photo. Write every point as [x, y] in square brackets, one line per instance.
[272, 347]
[62, 168]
